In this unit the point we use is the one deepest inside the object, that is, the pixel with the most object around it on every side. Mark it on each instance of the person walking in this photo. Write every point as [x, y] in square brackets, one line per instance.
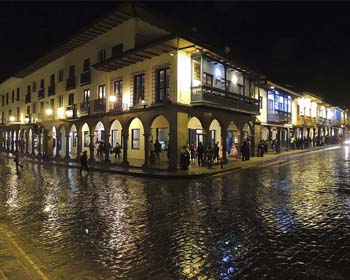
[117, 150]
[157, 151]
[16, 160]
[83, 163]
[216, 152]
[151, 152]
[200, 153]
[184, 159]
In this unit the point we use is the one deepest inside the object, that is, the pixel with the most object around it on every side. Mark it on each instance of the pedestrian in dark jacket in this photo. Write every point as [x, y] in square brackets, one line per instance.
[83, 162]
[200, 153]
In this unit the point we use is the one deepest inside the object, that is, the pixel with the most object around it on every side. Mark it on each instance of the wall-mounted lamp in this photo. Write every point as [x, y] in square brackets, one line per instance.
[234, 79]
[112, 98]
[143, 102]
[49, 111]
[12, 118]
[69, 113]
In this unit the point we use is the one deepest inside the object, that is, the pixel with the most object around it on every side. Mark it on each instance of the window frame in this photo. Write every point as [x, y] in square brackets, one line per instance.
[133, 139]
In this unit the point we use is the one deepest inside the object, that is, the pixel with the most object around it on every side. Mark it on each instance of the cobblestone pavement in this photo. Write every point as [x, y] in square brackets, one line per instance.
[286, 220]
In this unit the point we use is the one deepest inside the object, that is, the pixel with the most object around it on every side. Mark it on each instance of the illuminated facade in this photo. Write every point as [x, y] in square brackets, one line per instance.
[126, 79]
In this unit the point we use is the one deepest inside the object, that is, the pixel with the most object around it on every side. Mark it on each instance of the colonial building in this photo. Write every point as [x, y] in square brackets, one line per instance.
[129, 79]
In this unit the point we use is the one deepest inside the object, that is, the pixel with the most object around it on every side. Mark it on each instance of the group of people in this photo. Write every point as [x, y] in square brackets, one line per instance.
[204, 154]
[155, 150]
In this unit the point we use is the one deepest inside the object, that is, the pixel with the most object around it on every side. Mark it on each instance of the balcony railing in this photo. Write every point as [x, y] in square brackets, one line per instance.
[51, 90]
[71, 111]
[116, 106]
[85, 108]
[98, 105]
[70, 83]
[306, 121]
[85, 78]
[336, 123]
[278, 116]
[41, 93]
[210, 95]
[322, 121]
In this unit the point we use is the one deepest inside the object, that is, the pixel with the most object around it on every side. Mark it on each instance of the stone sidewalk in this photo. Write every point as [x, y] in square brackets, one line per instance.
[195, 171]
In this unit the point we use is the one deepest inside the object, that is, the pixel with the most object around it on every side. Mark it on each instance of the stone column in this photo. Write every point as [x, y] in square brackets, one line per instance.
[80, 143]
[223, 143]
[107, 147]
[278, 138]
[67, 145]
[146, 136]
[92, 148]
[173, 146]
[12, 143]
[125, 136]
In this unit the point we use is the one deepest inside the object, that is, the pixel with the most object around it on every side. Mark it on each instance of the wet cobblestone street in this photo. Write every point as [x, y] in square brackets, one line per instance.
[287, 221]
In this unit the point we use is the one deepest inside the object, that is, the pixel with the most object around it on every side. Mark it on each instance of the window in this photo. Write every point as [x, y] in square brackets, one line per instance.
[207, 79]
[71, 71]
[52, 79]
[139, 89]
[34, 108]
[86, 66]
[34, 86]
[163, 137]
[18, 94]
[162, 84]
[60, 75]
[60, 101]
[28, 110]
[17, 114]
[71, 99]
[10, 113]
[101, 92]
[7, 98]
[13, 96]
[86, 96]
[41, 106]
[42, 84]
[52, 103]
[135, 143]
[3, 100]
[261, 102]
[118, 90]
[101, 55]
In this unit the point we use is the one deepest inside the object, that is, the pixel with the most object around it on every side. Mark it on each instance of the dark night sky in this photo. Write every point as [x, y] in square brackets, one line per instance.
[306, 45]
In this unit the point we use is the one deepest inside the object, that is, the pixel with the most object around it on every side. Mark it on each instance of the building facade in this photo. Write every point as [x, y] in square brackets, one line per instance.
[127, 80]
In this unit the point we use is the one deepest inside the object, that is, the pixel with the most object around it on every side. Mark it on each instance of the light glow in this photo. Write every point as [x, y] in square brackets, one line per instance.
[60, 113]
[49, 111]
[112, 98]
[69, 113]
[234, 79]
[12, 118]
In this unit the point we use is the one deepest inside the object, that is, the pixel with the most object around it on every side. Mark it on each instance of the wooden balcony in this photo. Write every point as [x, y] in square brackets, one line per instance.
[279, 117]
[85, 108]
[322, 121]
[206, 95]
[306, 121]
[98, 105]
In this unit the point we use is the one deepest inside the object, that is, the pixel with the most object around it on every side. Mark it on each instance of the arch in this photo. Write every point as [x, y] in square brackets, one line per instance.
[115, 133]
[233, 136]
[264, 133]
[85, 136]
[136, 141]
[100, 139]
[195, 131]
[215, 132]
[160, 132]
[246, 131]
[73, 142]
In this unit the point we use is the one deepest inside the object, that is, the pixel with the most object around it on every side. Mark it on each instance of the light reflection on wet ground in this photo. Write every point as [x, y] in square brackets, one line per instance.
[278, 222]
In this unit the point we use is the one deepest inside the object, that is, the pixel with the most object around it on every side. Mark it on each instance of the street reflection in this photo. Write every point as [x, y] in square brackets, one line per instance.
[253, 224]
